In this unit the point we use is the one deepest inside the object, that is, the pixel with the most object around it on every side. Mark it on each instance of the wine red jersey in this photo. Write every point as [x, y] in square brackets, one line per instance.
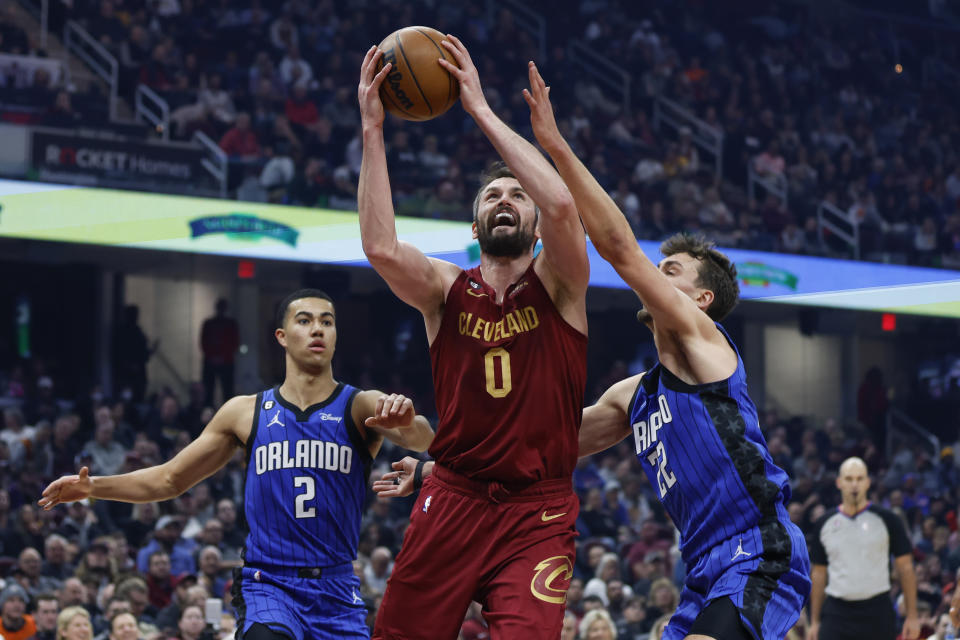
[509, 382]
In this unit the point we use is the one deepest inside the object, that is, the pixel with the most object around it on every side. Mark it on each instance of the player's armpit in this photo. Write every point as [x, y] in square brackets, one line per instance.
[607, 422]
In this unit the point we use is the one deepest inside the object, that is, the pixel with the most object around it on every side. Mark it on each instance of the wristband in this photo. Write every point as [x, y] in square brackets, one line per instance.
[418, 475]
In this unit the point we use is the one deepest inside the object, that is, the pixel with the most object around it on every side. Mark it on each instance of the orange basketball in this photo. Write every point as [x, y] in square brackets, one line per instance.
[417, 88]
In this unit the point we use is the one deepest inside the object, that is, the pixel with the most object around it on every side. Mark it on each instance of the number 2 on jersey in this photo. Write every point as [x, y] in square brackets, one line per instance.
[309, 494]
[496, 359]
[665, 479]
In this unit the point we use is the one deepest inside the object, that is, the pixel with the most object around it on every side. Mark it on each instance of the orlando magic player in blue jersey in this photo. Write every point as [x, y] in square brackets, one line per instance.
[694, 425]
[309, 443]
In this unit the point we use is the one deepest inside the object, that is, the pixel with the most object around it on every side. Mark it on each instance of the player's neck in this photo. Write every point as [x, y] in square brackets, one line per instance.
[500, 272]
[304, 388]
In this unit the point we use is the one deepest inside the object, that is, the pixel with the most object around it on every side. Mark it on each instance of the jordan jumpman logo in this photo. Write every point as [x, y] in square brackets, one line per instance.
[740, 551]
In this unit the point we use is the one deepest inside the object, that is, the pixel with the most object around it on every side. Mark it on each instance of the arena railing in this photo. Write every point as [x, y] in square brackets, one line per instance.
[707, 137]
[150, 107]
[80, 43]
[901, 427]
[601, 69]
[216, 163]
[529, 20]
[841, 224]
[777, 185]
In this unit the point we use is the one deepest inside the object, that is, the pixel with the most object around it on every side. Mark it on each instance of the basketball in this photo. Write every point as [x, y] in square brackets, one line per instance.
[417, 88]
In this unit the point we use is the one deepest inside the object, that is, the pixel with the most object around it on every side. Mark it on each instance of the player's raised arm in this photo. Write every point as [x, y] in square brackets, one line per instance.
[607, 422]
[394, 418]
[197, 461]
[415, 278]
[608, 228]
[564, 242]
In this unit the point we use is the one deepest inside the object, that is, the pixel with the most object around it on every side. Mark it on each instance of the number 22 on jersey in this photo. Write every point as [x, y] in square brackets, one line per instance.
[646, 435]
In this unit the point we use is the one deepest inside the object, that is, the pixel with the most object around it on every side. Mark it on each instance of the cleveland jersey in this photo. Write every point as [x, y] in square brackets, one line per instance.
[509, 381]
[703, 452]
[306, 482]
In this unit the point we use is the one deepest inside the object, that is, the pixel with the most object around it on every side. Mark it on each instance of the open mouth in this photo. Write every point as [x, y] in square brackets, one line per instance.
[316, 346]
[504, 217]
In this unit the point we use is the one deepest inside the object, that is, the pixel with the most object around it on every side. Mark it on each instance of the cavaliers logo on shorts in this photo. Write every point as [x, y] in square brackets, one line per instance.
[551, 580]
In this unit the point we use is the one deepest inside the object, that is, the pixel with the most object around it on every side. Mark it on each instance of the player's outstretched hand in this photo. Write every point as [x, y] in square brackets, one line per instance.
[399, 482]
[371, 108]
[541, 110]
[471, 93]
[67, 489]
[394, 410]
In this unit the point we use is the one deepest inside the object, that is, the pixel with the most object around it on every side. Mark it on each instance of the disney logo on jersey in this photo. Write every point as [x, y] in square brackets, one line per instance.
[330, 416]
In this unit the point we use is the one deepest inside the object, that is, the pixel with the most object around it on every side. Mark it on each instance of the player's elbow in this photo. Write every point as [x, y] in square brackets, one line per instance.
[616, 248]
[379, 253]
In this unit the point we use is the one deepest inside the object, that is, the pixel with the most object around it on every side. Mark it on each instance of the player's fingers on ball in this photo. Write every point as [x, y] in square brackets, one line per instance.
[378, 79]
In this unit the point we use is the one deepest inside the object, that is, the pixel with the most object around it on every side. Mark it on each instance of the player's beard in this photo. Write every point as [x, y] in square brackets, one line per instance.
[509, 245]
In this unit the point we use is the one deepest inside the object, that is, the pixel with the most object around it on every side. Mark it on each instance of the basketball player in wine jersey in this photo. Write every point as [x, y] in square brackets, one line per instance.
[495, 519]
[309, 444]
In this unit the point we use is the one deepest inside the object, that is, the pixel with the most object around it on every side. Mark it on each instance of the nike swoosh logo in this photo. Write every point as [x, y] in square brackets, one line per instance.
[545, 518]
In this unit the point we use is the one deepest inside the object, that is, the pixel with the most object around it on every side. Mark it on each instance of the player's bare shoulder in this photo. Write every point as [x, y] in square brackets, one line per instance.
[235, 417]
[447, 272]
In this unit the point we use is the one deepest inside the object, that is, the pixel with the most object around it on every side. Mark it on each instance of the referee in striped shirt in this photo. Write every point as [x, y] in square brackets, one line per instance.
[850, 553]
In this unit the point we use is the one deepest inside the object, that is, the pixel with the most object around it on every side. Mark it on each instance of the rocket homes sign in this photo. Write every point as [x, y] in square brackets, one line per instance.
[114, 159]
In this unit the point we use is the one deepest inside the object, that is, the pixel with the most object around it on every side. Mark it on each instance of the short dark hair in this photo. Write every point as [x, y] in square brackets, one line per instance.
[495, 171]
[299, 294]
[716, 272]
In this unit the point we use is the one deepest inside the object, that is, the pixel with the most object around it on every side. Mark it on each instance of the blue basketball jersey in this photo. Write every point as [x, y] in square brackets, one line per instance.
[306, 482]
[703, 452]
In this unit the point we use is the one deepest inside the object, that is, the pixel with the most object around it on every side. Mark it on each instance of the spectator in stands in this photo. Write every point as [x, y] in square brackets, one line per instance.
[240, 142]
[15, 622]
[169, 615]
[61, 113]
[108, 454]
[597, 625]
[166, 537]
[569, 629]
[211, 575]
[45, 616]
[55, 561]
[378, 570]
[73, 623]
[132, 352]
[134, 591]
[72, 594]
[123, 626]
[191, 624]
[219, 341]
[634, 624]
[295, 71]
[32, 580]
[444, 203]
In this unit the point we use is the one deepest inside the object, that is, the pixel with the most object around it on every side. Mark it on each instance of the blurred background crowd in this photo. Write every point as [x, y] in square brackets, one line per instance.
[837, 111]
